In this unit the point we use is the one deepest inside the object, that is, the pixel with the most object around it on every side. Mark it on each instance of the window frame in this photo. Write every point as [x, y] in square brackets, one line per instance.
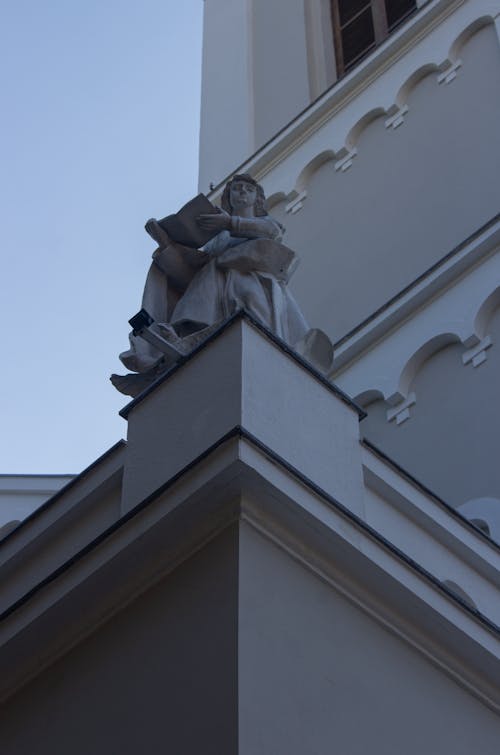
[380, 27]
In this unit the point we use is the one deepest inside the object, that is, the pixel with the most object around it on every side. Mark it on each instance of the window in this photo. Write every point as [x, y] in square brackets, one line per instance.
[360, 25]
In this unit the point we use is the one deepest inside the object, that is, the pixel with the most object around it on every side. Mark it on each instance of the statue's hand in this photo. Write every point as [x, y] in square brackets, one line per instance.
[157, 233]
[212, 222]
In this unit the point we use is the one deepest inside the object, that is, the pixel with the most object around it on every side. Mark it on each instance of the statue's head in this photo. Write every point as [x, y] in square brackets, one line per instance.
[240, 190]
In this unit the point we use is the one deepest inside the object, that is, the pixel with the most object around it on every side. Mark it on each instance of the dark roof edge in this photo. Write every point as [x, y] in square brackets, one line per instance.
[31, 475]
[404, 473]
[240, 432]
[63, 490]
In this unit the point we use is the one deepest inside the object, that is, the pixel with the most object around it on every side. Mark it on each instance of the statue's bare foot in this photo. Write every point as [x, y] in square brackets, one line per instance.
[135, 383]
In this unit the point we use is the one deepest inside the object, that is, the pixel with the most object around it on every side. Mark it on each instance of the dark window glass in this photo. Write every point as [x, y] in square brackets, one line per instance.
[360, 25]
[397, 10]
[358, 37]
[349, 8]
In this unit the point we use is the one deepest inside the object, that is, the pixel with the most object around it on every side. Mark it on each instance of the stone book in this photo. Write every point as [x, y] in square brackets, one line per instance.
[182, 226]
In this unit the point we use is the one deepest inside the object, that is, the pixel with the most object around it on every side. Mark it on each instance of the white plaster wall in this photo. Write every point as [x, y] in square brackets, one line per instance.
[410, 196]
[160, 676]
[258, 74]
[431, 40]
[450, 440]
[318, 675]
[301, 420]
[280, 65]
[424, 547]
[452, 312]
[181, 418]
[227, 121]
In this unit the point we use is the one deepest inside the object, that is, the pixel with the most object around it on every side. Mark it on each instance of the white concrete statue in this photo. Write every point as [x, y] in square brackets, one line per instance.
[189, 292]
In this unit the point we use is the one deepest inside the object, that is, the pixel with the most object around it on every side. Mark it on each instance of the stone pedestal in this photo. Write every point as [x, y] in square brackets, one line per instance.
[244, 379]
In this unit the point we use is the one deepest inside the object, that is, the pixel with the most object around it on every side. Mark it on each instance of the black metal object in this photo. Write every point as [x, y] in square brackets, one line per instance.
[141, 320]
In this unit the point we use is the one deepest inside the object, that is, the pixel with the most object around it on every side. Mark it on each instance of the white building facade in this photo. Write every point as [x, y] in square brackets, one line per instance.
[387, 181]
[275, 561]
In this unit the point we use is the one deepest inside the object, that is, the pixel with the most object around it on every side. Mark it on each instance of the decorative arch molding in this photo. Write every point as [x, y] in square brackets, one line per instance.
[486, 312]
[415, 362]
[403, 398]
[354, 134]
[403, 95]
[408, 333]
[466, 34]
[296, 197]
[312, 166]
[458, 333]
[275, 199]
[368, 397]
[343, 153]
[391, 375]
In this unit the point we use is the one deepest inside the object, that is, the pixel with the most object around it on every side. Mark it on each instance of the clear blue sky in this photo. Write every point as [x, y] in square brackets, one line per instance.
[99, 132]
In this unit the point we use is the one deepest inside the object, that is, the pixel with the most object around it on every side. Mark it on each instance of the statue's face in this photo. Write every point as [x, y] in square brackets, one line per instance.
[242, 194]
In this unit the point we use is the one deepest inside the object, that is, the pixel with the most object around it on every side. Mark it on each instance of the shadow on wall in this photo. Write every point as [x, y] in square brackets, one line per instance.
[447, 435]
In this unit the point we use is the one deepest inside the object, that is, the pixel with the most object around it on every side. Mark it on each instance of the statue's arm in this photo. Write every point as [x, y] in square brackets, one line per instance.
[248, 228]
[256, 228]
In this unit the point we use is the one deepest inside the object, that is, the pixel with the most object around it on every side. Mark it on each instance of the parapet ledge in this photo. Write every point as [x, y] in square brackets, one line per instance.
[431, 532]
[243, 376]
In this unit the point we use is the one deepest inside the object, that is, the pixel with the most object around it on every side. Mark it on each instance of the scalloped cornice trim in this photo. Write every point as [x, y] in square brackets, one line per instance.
[330, 128]
[416, 325]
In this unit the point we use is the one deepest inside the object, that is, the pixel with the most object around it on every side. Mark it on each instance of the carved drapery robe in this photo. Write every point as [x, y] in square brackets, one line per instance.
[245, 268]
